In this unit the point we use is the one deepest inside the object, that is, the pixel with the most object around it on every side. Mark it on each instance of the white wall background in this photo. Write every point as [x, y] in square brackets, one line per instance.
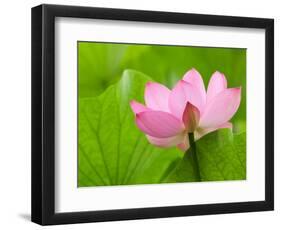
[15, 114]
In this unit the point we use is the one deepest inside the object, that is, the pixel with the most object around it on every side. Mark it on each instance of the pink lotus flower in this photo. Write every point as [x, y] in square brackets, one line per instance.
[169, 115]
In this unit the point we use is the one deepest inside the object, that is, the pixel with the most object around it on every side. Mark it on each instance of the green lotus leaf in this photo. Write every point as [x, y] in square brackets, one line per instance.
[112, 150]
[221, 156]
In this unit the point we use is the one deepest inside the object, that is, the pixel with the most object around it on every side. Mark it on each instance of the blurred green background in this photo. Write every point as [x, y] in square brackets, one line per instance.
[101, 64]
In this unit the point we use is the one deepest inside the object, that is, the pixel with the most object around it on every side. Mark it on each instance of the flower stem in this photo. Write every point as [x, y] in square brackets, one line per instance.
[194, 155]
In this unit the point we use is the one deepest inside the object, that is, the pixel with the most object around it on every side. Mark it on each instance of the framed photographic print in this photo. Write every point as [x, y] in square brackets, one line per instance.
[142, 114]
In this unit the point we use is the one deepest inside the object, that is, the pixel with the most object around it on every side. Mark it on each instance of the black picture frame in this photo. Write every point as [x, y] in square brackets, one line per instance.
[43, 114]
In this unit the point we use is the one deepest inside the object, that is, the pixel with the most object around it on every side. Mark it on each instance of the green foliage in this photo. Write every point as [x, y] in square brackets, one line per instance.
[98, 67]
[221, 156]
[112, 151]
